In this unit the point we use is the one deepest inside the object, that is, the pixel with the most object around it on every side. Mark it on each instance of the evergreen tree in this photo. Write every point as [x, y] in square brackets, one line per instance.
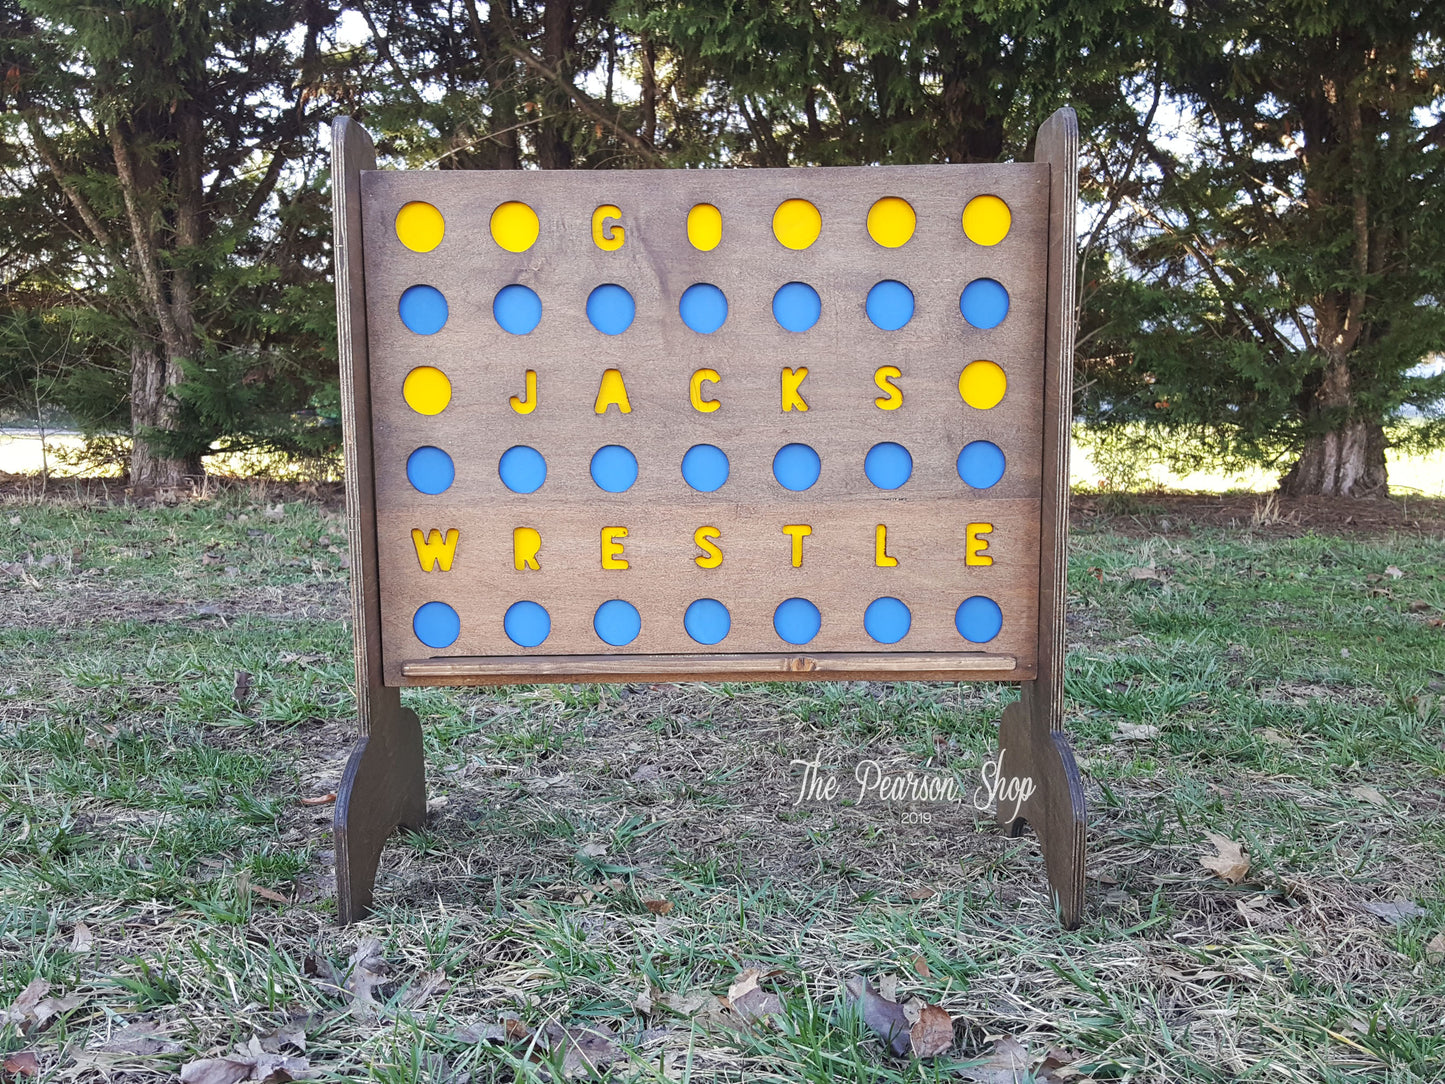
[179, 196]
[1285, 269]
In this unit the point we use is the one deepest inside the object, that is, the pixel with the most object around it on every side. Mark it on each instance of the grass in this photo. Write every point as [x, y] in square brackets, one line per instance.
[592, 849]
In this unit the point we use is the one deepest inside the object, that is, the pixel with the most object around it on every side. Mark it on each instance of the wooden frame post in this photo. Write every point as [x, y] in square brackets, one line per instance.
[384, 784]
[1032, 744]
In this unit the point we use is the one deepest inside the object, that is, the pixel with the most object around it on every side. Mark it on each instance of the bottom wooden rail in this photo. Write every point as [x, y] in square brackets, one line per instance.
[849, 665]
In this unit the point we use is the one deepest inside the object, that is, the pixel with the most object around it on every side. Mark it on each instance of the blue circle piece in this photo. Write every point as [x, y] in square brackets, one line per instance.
[526, 624]
[707, 621]
[796, 467]
[981, 464]
[423, 309]
[517, 309]
[705, 468]
[611, 309]
[703, 307]
[436, 624]
[890, 305]
[430, 470]
[523, 469]
[984, 303]
[796, 306]
[978, 619]
[887, 620]
[617, 622]
[797, 620]
[888, 465]
[614, 468]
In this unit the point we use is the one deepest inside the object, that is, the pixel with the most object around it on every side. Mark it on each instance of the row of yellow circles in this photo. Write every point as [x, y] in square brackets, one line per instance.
[796, 224]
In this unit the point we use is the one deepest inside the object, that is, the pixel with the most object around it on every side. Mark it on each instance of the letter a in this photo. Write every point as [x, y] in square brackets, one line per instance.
[613, 390]
[433, 550]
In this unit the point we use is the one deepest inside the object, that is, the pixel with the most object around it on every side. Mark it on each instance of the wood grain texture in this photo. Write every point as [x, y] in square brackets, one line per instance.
[1031, 737]
[840, 666]
[657, 356]
[384, 784]
[1058, 145]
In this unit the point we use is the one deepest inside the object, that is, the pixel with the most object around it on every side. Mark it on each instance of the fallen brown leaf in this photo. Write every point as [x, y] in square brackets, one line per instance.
[144, 1039]
[1006, 1063]
[249, 1062]
[658, 907]
[1371, 795]
[81, 940]
[22, 1063]
[319, 799]
[269, 894]
[1435, 949]
[1142, 572]
[1393, 572]
[368, 971]
[883, 1016]
[701, 1007]
[1136, 731]
[1396, 911]
[920, 966]
[1231, 862]
[751, 1002]
[933, 1034]
[584, 1051]
[241, 692]
[33, 1010]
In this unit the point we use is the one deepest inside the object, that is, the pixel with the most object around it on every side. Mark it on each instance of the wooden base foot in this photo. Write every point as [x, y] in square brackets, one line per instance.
[1038, 783]
[384, 788]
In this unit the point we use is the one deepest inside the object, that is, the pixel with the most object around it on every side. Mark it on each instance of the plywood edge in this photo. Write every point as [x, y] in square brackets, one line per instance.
[848, 665]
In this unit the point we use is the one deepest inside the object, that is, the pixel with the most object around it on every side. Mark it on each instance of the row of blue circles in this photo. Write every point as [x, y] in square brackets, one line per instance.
[611, 309]
[705, 467]
[707, 621]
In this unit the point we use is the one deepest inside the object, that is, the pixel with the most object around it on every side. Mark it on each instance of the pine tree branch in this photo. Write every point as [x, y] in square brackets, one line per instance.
[586, 104]
[79, 202]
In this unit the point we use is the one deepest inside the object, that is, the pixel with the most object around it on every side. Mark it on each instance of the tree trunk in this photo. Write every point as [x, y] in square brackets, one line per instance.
[153, 407]
[1347, 461]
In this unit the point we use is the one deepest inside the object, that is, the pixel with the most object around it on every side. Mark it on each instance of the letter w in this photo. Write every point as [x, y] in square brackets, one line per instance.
[432, 550]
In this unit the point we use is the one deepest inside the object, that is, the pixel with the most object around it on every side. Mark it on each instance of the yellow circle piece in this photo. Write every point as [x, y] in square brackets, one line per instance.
[515, 226]
[986, 220]
[704, 227]
[796, 223]
[982, 385]
[427, 390]
[419, 226]
[891, 222]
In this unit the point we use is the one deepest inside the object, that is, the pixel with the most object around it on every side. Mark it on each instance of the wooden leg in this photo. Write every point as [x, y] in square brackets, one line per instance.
[384, 788]
[1052, 799]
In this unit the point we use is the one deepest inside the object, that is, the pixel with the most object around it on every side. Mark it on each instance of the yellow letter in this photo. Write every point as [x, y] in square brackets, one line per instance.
[608, 238]
[880, 548]
[528, 402]
[612, 390]
[431, 550]
[798, 532]
[611, 548]
[694, 390]
[702, 538]
[526, 544]
[892, 397]
[975, 546]
[791, 380]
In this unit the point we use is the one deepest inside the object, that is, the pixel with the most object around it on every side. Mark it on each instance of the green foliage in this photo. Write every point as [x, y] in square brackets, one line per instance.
[173, 215]
[1280, 274]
